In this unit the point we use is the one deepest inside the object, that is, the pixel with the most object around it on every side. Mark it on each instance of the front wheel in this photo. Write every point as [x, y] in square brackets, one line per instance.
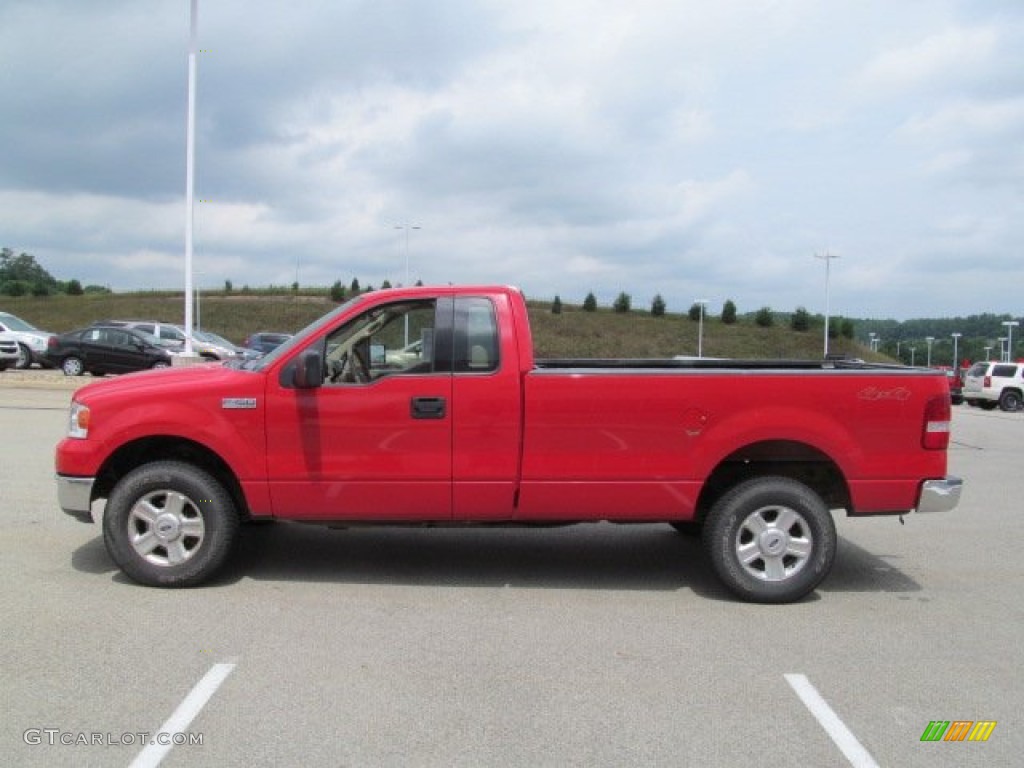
[771, 540]
[72, 366]
[169, 524]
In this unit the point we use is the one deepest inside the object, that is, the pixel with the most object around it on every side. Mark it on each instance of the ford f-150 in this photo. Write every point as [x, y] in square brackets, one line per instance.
[351, 421]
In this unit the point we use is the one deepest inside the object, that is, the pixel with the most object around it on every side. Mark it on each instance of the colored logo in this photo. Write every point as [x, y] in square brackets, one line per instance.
[958, 730]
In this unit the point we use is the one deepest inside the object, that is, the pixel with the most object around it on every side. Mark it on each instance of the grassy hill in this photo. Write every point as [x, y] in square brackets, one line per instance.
[573, 333]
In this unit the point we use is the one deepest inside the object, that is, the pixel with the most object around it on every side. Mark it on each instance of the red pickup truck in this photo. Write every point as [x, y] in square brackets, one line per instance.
[426, 406]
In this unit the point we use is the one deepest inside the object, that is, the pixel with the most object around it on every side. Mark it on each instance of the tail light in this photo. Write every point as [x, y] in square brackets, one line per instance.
[988, 382]
[51, 342]
[937, 417]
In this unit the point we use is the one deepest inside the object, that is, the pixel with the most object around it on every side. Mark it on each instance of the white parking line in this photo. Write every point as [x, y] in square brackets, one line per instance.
[829, 720]
[186, 712]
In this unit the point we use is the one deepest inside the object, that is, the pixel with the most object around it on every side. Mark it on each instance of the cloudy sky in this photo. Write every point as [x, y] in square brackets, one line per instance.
[689, 148]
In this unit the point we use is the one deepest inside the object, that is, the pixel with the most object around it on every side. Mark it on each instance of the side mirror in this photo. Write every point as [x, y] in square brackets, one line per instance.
[309, 370]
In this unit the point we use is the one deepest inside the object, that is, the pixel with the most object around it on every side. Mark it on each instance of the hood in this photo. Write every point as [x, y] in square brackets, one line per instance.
[206, 378]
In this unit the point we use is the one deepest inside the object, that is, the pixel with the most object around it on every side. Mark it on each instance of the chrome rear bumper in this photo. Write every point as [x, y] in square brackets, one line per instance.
[940, 495]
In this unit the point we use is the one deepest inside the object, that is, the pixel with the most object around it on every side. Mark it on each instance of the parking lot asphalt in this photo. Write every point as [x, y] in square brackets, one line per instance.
[593, 645]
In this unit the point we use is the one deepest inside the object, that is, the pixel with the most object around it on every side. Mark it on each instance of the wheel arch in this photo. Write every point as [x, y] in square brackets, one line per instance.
[168, 448]
[780, 458]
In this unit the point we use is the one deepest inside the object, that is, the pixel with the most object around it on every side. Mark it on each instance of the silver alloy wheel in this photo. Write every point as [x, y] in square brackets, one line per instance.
[24, 358]
[773, 543]
[72, 366]
[166, 528]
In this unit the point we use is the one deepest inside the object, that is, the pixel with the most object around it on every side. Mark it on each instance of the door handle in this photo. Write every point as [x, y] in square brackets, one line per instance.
[428, 407]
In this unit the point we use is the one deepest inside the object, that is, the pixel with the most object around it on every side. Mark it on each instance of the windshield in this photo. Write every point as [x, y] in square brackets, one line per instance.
[17, 324]
[299, 338]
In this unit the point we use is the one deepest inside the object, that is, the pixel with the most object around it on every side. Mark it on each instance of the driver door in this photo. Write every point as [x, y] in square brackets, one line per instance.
[375, 441]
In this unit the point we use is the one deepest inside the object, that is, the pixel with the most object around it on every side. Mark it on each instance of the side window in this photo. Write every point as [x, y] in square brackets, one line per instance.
[396, 339]
[476, 336]
[1004, 371]
[147, 327]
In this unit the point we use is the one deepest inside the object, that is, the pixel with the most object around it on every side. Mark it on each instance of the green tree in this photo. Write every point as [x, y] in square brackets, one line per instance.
[694, 312]
[801, 320]
[354, 287]
[590, 303]
[623, 302]
[386, 284]
[24, 268]
[846, 328]
[228, 287]
[337, 292]
[556, 305]
[658, 306]
[764, 317]
[74, 288]
[729, 312]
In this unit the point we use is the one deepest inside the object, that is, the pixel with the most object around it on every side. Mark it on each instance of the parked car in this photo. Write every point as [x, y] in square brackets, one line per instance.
[101, 349]
[167, 335]
[31, 341]
[989, 384]
[215, 347]
[956, 393]
[265, 341]
[8, 351]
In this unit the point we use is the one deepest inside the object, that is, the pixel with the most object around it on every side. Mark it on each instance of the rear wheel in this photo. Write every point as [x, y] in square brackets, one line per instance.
[1010, 400]
[169, 524]
[771, 540]
[161, 364]
[24, 357]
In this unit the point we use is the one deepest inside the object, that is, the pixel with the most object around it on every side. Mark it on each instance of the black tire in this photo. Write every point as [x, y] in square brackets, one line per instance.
[169, 524]
[988, 405]
[161, 364]
[770, 540]
[72, 366]
[1010, 400]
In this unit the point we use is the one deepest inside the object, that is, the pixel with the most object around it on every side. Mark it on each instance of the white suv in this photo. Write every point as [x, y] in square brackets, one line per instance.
[990, 384]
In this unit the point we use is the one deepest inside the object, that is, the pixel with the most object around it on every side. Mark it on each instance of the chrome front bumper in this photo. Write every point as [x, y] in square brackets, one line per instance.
[75, 496]
[940, 495]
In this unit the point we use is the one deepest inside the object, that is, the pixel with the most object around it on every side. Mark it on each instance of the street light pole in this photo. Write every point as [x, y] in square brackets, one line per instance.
[700, 327]
[190, 154]
[956, 360]
[1010, 325]
[828, 261]
[407, 226]
[929, 339]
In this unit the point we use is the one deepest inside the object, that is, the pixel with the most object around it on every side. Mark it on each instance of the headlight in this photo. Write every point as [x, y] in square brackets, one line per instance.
[78, 421]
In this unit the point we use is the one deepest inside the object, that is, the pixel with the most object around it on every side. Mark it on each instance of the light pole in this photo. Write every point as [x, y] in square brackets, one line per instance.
[872, 340]
[700, 326]
[1010, 325]
[407, 227]
[929, 339]
[190, 155]
[956, 360]
[1002, 349]
[828, 262]
[912, 350]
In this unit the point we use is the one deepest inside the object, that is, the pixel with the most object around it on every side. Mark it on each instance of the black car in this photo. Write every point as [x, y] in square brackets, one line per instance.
[105, 349]
[264, 342]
